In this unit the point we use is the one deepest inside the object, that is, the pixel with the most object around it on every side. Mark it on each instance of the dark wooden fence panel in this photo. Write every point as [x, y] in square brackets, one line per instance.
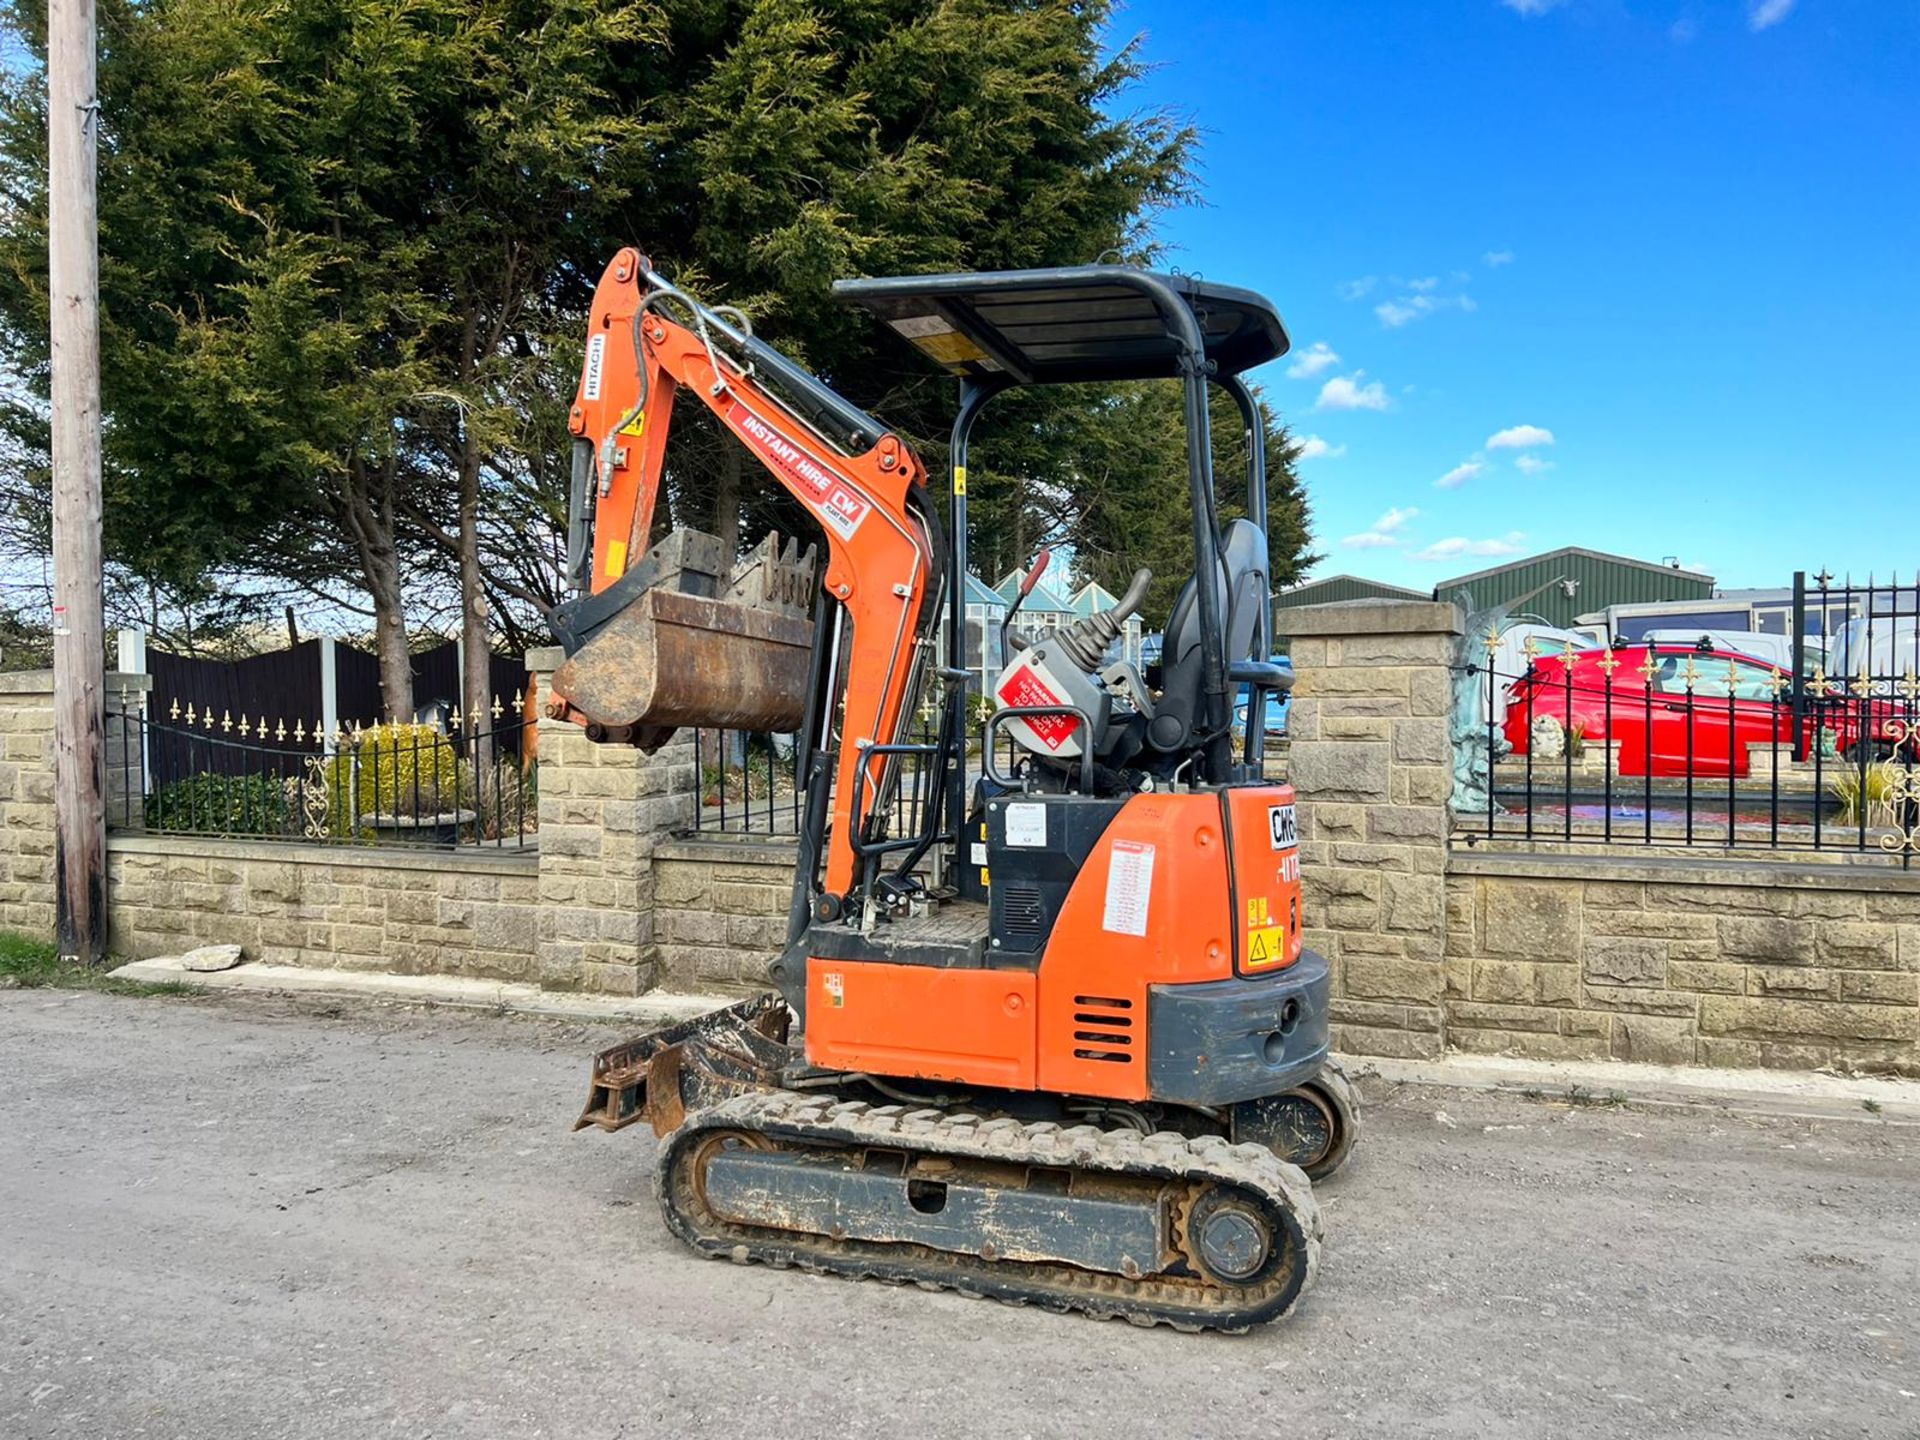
[284, 690]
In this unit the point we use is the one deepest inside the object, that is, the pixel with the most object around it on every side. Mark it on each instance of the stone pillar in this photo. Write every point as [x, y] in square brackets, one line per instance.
[603, 810]
[26, 788]
[1371, 761]
[26, 802]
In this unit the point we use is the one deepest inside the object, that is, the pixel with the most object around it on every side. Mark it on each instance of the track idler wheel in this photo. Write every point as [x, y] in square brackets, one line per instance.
[1313, 1125]
[1230, 1239]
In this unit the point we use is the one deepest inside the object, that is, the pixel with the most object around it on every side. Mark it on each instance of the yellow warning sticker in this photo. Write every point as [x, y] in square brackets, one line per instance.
[952, 348]
[617, 557]
[959, 479]
[636, 425]
[1266, 946]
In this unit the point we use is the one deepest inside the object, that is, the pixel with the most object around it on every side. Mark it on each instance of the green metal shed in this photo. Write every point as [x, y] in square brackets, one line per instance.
[1536, 585]
[1343, 587]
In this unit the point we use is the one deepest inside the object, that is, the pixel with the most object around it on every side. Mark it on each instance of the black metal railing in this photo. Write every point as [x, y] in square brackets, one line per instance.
[749, 785]
[442, 783]
[1662, 744]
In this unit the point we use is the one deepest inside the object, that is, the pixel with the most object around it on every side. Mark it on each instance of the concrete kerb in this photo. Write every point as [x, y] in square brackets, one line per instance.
[1792, 1094]
[461, 992]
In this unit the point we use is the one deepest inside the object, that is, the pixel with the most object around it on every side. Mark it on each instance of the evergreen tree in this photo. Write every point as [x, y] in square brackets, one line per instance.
[347, 248]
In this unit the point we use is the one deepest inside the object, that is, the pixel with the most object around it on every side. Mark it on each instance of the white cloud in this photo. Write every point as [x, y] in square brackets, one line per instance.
[1396, 519]
[1460, 474]
[1531, 464]
[1346, 392]
[1430, 282]
[1496, 258]
[1519, 437]
[1764, 13]
[1684, 29]
[1458, 547]
[1408, 308]
[1355, 289]
[1535, 7]
[1312, 447]
[1310, 362]
[1384, 533]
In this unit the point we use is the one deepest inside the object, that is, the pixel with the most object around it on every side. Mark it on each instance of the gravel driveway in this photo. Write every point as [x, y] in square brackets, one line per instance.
[251, 1218]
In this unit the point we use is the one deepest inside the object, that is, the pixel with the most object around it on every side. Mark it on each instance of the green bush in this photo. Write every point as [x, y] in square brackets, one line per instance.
[408, 770]
[222, 805]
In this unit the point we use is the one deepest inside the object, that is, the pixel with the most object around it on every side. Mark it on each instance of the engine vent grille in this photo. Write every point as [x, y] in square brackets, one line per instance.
[1024, 910]
[1103, 1029]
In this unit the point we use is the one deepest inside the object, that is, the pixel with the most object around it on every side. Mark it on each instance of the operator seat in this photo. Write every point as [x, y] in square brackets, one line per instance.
[1241, 581]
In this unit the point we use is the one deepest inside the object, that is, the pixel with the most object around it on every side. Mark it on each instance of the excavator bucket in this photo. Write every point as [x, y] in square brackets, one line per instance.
[685, 639]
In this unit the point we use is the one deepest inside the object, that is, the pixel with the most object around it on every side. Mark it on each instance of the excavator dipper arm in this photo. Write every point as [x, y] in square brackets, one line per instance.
[648, 342]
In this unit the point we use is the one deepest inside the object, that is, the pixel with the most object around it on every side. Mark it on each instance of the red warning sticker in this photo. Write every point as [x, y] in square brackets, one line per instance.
[1025, 687]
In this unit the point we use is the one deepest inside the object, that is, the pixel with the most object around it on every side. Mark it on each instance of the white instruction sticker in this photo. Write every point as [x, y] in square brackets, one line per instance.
[1286, 831]
[979, 854]
[1129, 888]
[1026, 825]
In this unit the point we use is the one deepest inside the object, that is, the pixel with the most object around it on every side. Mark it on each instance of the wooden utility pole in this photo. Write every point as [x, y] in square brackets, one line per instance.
[79, 625]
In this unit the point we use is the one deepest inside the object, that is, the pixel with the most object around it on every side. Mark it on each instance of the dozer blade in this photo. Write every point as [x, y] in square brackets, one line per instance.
[666, 1074]
[686, 638]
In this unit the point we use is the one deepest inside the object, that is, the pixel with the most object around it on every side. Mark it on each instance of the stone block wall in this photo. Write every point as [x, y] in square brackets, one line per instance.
[468, 913]
[1580, 952]
[1684, 960]
[720, 911]
[1372, 766]
[575, 913]
[26, 802]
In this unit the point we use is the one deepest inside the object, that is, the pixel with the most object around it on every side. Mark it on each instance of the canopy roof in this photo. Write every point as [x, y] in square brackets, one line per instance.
[1090, 322]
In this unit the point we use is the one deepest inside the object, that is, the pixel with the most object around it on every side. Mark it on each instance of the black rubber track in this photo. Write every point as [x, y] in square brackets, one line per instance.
[1186, 1301]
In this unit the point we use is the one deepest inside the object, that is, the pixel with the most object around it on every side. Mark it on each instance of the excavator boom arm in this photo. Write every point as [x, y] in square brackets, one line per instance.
[647, 342]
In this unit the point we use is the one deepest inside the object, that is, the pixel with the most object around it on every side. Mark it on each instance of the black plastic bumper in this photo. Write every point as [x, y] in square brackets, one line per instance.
[1232, 1040]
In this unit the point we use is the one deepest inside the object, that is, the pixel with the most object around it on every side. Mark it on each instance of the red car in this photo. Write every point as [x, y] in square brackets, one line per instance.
[1731, 710]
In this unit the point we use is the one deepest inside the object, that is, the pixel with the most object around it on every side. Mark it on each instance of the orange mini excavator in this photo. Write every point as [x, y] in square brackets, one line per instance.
[1050, 1036]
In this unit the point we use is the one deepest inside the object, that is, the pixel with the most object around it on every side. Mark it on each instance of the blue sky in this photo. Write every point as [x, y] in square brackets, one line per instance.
[1681, 238]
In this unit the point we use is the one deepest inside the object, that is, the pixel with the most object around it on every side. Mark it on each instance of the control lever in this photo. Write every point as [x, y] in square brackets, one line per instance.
[1038, 569]
[1085, 641]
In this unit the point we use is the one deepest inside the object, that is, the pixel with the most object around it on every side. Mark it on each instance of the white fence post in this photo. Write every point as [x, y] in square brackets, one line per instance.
[329, 695]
